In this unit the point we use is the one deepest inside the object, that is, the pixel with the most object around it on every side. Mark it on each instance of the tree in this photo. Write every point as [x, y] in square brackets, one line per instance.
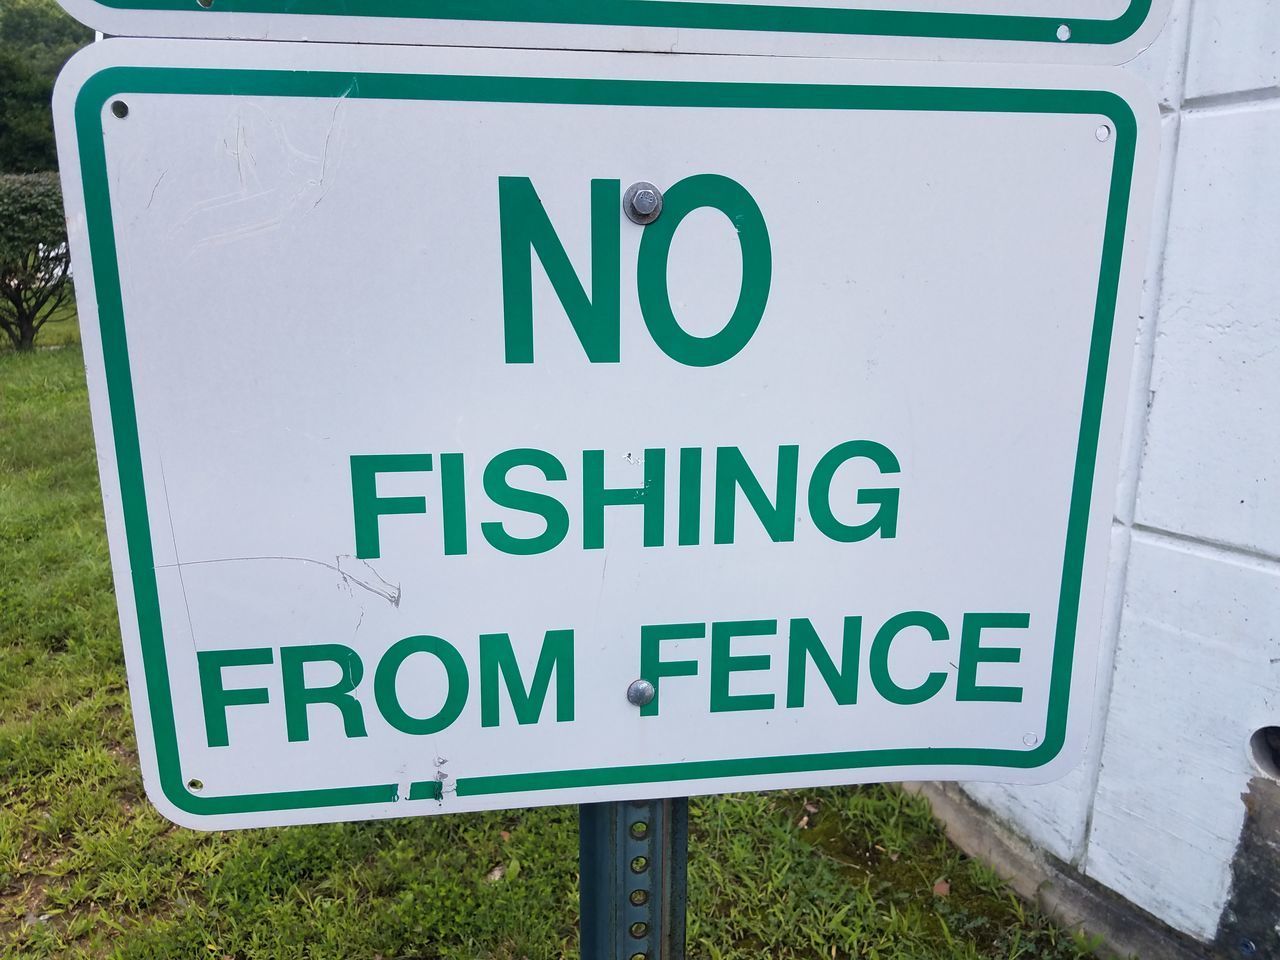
[35, 263]
[36, 37]
[26, 128]
[42, 33]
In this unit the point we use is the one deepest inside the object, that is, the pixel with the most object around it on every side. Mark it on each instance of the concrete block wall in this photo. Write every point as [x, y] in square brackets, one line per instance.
[1191, 662]
[1191, 667]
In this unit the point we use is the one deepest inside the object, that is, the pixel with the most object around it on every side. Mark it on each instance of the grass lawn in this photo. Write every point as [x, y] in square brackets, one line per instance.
[88, 869]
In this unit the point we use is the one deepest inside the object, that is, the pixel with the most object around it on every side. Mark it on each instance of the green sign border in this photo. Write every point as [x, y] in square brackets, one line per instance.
[696, 14]
[90, 108]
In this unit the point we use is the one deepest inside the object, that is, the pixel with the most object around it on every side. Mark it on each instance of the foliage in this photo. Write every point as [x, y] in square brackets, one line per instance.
[26, 125]
[44, 33]
[36, 38]
[34, 260]
[89, 870]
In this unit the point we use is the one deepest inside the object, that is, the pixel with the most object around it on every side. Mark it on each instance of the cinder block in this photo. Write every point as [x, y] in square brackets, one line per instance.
[1162, 64]
[1196, 672]
[1211, 465]
[1234, 47]
[1050, 815]
[1135, 421]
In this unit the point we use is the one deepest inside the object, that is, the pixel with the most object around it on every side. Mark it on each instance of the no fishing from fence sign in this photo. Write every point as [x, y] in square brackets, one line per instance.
[440, 395]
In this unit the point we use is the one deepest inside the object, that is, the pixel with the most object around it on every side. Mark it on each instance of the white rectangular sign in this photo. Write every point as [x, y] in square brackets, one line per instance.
[1039, 31]
[416, 451]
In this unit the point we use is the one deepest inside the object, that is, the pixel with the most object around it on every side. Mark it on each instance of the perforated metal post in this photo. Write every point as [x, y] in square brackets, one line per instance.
[633, 865]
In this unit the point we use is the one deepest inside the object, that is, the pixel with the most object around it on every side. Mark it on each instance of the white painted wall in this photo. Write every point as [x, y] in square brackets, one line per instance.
[1191, 655]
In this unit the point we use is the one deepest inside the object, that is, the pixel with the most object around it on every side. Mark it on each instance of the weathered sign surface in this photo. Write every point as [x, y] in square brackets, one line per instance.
[1040, 31]
[416, 451]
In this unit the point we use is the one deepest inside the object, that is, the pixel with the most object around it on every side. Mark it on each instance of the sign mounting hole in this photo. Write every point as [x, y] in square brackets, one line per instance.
[1103, 133]
[120, 108]
[1264, 748]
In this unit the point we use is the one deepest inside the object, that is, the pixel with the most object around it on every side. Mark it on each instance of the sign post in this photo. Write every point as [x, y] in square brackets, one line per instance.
[633, 858]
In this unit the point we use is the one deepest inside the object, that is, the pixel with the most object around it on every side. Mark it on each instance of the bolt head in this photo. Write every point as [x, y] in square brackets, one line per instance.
[645, 201]
[640, 693]
[642, 202]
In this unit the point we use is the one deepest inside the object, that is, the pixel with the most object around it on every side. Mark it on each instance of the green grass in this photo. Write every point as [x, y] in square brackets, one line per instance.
[88, 869]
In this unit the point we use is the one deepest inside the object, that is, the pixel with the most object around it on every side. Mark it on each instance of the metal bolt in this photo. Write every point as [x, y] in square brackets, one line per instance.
[642, 203]
[640, 692]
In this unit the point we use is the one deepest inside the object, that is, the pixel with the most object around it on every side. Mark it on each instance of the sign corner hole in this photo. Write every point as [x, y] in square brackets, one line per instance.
[120, 108]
